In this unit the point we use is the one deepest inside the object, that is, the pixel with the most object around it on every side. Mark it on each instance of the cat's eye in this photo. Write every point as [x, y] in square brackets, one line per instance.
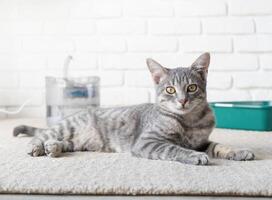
[170, 90]
[192, 88]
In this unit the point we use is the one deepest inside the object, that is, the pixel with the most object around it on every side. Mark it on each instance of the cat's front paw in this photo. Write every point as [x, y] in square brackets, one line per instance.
[240, 155]
[197, 158]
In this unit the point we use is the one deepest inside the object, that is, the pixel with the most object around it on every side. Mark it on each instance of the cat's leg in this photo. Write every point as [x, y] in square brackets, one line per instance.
[62, 137]
[164, 150]
[35, 147]
[39, 145]
[216, 150]
[53, 148]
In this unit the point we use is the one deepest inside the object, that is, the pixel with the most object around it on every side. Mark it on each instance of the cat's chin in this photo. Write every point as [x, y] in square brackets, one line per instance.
[183, 111]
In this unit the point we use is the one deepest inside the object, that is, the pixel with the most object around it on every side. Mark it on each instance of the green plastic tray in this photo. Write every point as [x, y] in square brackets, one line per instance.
[247, 115]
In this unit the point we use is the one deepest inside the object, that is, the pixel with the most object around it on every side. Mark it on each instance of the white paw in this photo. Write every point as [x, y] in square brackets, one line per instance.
[35, 150]
[197, 158]
[240, 155]
[52, 148]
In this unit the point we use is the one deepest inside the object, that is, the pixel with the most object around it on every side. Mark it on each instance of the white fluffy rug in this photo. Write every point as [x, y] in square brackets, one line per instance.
[96, 173]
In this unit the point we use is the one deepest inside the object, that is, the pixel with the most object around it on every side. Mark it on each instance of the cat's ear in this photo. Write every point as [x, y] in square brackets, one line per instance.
[201, 64]
[158, 72]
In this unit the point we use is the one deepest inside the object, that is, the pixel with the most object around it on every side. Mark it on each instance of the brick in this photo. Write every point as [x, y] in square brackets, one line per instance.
[27, 27]
[138, 79]
[5, 28]
[200, 8]
[43, 9]
[259, 43]
[20, 27]
[84, 61]
[31, 62]
[47, 44]
[120, 62]
[18, 97]
[263, 24]
[137, 61]
[248, 80]
[136, 96]
[32, 80]
[56, 61]
[266, 61]
[171, 60]
[233, 62]
[75, 73]
[55, 73]
[261, 94]
[219, 81]
[104, 44]
[7, 62]
[228, 26]
[228, 95]
[120, 27]
[8, 80]
[111, 78]
[205, 43]
[252, 7]
[55, 27]
[112, 96]
[174, 27]
[107, 8]
[219, 62]
[96, 9]
[73, 27]
[142, 8]
[152, 44]
[10, 45]
[80, 61]
[123, 96]
[8, 9]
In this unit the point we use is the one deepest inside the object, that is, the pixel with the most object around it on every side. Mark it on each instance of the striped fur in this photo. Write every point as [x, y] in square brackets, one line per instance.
[168, 130]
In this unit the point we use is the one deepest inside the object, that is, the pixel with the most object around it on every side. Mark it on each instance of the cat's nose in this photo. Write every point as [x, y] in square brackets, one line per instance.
[183, 102]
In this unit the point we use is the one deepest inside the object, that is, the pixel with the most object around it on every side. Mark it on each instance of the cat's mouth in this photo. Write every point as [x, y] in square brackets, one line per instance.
[184, 107]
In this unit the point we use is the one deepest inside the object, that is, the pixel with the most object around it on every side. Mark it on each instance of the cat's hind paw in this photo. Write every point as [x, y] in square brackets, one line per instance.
[197, 158]
[52, 148]
[35, 150]
[240, 155]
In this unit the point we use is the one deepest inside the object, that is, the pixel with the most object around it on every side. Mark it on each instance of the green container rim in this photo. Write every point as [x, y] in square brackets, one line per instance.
[243, 104]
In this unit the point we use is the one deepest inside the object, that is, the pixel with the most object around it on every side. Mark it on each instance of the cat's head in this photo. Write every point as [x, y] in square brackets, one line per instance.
[181, 90]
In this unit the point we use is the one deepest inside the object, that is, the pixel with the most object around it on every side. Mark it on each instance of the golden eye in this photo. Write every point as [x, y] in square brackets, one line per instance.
[192, 88]
[170, 90]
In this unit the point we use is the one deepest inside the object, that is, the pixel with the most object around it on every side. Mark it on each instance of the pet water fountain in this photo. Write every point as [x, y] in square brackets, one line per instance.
[67, 95]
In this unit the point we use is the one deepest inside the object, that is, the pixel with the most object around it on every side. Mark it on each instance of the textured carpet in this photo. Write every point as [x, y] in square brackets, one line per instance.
[97, 173]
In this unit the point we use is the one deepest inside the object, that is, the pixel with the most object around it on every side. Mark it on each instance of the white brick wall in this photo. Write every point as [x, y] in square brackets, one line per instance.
[112, 39]
[228, 25]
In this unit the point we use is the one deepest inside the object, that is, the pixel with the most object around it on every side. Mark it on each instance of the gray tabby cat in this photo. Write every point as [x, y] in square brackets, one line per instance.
[176, 128]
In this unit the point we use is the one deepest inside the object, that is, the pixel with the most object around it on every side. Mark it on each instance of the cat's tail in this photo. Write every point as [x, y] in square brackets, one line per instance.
[27, 130]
